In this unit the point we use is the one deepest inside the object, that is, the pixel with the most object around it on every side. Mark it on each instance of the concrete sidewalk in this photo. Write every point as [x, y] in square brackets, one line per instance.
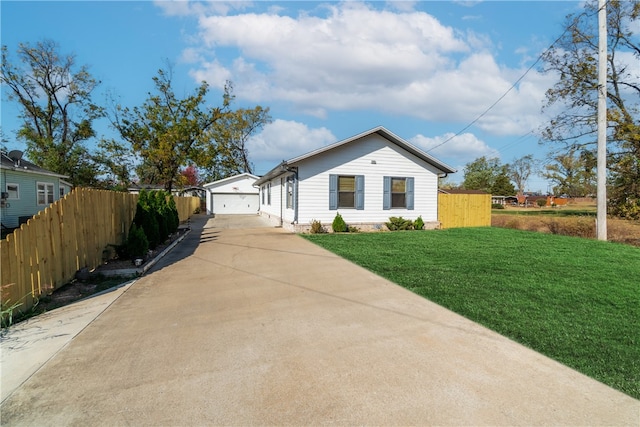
[257, 326]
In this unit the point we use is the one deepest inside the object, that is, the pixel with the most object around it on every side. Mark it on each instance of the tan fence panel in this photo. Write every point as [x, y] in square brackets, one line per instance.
[464, 210]
[186, 206]
[71, 234]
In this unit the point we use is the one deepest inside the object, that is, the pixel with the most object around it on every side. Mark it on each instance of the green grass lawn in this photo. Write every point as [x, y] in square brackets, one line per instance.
[574, 300]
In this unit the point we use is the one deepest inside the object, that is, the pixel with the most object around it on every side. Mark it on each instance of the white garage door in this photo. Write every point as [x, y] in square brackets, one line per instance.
[235, 203]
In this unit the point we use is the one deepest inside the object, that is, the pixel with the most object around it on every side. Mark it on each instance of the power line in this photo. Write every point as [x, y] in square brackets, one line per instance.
[513, 85]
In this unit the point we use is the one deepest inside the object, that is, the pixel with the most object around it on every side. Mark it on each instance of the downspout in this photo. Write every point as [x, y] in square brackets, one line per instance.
[282, 195]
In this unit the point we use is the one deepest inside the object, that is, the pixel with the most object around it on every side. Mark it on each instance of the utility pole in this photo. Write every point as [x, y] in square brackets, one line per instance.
[601, 222]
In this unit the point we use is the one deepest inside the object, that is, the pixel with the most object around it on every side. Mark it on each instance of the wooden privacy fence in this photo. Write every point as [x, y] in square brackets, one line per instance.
[70, 234]
[464, 210]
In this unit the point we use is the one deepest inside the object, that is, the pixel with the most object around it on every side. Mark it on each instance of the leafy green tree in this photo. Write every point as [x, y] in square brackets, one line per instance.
[116, 164]
[574, 58]
[502, 186]
[167, 132]
[572, 173]
[481, 174]
[231, 134]
[57, 111]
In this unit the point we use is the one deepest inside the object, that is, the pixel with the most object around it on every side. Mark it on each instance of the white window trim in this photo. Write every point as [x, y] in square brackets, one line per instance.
[17, 191]
[46, 193]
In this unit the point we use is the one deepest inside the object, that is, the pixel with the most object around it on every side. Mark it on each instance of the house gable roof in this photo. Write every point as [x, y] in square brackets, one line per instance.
[380, 130]
[25, 166]
[230, 179]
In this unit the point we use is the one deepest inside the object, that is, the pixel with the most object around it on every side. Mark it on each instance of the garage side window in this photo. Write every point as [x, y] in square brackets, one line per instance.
[262, 191]
[269, 194]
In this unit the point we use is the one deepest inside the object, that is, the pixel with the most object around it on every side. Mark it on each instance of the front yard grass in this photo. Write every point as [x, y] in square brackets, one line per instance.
[574, 300]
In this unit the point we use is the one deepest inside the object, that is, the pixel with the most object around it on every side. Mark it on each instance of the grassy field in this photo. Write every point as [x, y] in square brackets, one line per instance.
[574, 300]
[576, 221]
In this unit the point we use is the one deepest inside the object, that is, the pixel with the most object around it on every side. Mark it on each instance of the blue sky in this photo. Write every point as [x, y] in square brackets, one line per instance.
[327, 70]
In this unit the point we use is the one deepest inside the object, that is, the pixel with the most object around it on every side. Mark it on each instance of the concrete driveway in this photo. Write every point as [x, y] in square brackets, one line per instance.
[256, 326]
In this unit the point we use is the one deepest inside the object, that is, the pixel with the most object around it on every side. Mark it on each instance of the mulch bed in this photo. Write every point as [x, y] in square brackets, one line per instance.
[88, 283]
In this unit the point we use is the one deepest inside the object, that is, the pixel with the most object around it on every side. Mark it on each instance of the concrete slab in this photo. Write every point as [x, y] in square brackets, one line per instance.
[260, 327]
[27, 346]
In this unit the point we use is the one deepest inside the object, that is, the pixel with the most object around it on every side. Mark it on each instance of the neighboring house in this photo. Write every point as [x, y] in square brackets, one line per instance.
[504, 200]
[233, 195]
[366, 178]
[26, 189]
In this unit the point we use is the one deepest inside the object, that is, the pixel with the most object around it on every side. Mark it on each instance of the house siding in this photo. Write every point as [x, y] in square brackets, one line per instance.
[277, 208]
[375, 158]
[27, 204]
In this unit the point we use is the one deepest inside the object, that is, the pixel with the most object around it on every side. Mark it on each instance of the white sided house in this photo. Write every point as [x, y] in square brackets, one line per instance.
[366, 178]
[232, 196]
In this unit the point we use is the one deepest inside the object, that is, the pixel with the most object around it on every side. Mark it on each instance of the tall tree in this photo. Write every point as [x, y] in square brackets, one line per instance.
[502, 185]
[489, 175]
[574, 59]
[57, 111]
[231, 133]
[572, 173]
[116, 164]
[520, 170]
[168, 133]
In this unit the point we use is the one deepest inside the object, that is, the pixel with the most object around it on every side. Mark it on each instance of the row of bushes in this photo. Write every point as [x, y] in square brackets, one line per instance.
[155, 219]
[340, 226]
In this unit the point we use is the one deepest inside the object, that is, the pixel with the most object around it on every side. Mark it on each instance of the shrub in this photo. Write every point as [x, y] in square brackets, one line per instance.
[353, 229]
[174, 222]
[497, 206]
[572, 227]
[418, 224]
[150, 216]
[399, 223]
[317, 227]
[541, 203]
[137, 243]
[338, 225]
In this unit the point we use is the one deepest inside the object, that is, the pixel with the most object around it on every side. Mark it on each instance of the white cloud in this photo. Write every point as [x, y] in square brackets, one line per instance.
[284, 139]
[351, 56]
[402, 5]
[459, 150]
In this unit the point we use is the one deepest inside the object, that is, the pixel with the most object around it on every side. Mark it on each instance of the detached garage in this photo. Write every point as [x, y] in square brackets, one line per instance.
[232, 196]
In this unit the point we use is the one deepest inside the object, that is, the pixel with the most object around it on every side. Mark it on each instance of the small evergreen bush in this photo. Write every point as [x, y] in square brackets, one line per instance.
[541, 203]
[418, 224]
[497, 206]
[338, 225]
[137, 243]
[173, 215]
[397, 223]
[317, 227]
